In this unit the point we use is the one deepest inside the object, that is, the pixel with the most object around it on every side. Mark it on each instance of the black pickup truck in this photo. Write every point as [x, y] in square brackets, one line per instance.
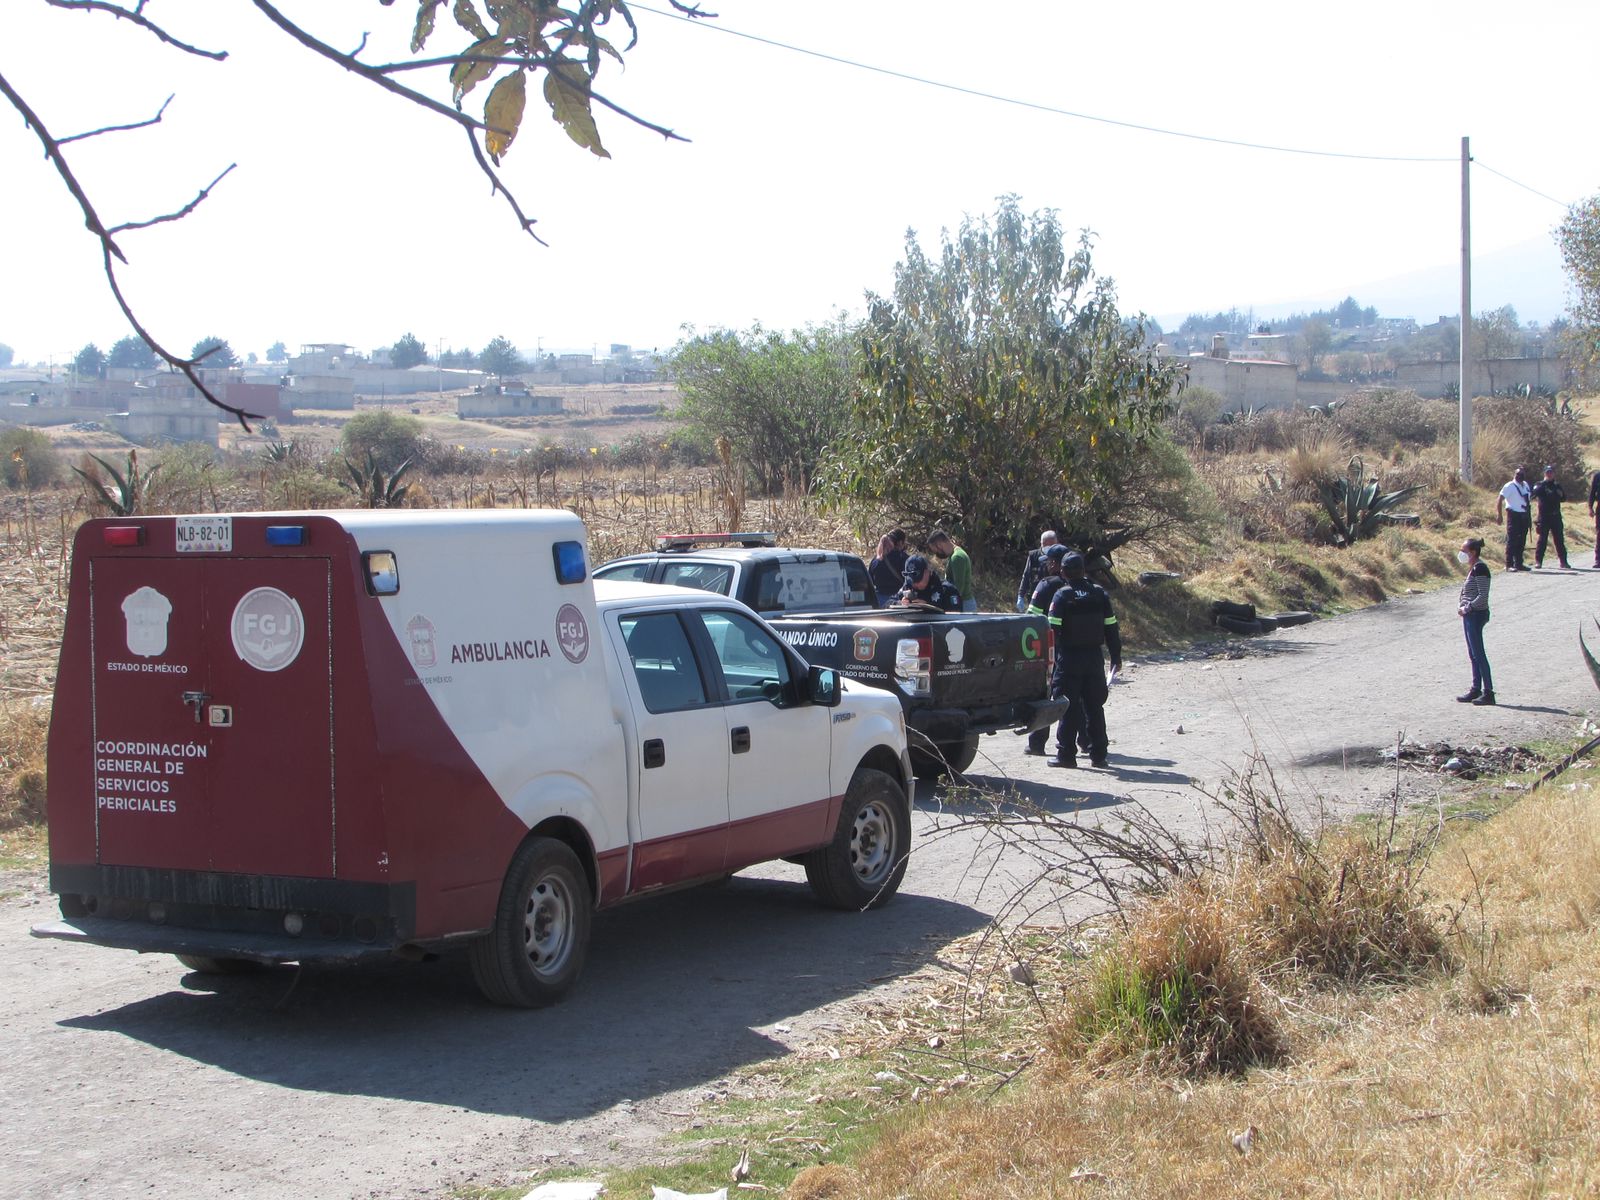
[958, 675]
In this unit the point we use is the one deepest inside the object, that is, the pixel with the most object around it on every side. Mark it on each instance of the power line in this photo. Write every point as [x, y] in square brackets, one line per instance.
[1523, 186]
[1044, 108]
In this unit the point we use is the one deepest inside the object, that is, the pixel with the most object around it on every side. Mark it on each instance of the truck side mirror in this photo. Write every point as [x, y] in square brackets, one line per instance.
[822, 687]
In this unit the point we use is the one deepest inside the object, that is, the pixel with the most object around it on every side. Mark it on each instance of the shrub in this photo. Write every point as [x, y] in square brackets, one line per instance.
[392, 438]
[187, 480]
[1535, 436]
[27, 458]
[1315, 459]
[1196, 411]
[1382, 419]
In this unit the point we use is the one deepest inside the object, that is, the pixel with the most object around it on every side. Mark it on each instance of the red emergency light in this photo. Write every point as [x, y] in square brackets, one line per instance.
[124, 535]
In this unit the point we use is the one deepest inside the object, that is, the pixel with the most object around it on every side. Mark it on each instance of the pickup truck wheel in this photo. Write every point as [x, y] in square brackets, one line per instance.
[205, 964]
[952, 758]
[863, 866]
[540, 938]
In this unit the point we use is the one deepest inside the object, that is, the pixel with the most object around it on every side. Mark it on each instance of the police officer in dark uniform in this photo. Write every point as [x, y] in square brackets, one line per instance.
[1547, 494]
[1038, 606]
[1081, 615]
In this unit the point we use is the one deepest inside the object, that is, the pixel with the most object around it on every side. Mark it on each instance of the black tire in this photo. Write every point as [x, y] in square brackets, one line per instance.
[1268, 624]
[205, 964]
[935, 760]
[540, 939]
[1238, 612]
[1236, 625]
[863, 866]
[1286, 619]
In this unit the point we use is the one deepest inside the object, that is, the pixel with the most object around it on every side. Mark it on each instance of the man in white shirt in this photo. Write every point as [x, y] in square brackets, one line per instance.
[1511, 510]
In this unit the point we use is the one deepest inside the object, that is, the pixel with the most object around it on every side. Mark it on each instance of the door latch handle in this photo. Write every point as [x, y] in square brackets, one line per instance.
[741, 739]
[655, 753]
[196, 701]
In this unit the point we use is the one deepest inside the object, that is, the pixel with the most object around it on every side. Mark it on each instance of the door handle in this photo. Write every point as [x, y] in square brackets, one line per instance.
[196, 701]
[741, 739]
[655, 753]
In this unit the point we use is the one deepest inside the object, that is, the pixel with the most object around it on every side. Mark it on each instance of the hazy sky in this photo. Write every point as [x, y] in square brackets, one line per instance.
[353, 216]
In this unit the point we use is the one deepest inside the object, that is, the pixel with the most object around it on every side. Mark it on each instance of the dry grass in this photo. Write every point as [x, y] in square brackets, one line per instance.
[24, 725]
[1316, 458]
[1478, 1082]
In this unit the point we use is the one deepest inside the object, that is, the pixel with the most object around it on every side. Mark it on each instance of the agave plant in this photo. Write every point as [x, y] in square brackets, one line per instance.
[128, 492]
[1357, 507]
[373, 487]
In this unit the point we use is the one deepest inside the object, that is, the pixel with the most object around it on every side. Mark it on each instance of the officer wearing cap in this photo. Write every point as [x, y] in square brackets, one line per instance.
[1081, 616]
[1038, 606]
[923, 586]
[1548, 495]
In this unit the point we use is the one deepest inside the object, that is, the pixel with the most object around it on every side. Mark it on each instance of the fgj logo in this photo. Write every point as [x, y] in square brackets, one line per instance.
[572, 633]
[268, 629]
[1030, 642]
[420, 636]
[146, 612]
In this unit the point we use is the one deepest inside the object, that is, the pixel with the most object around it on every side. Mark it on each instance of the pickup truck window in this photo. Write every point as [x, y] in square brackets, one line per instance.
[663, 662]
[707, 577]
[635, 572]
[754, 666]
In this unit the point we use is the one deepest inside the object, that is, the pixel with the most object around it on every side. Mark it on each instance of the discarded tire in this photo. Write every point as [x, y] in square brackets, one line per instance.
[1286, 619]
[1227, 608]
[1151, 578]
[1238, 625]
[1268, 624]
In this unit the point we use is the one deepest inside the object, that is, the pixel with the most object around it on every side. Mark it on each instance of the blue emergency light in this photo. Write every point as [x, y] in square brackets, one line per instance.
[286, 535]
[570, 566]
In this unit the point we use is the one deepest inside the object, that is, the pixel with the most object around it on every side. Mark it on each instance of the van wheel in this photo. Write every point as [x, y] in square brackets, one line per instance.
[205, 964]
[863, 866]
[540, 938]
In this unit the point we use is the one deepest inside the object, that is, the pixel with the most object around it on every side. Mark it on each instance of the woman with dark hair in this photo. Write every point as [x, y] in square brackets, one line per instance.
[1474, 609]
[886, 571]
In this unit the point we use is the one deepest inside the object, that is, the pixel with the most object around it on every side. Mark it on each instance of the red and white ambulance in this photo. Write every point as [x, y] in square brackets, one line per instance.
[323, 736]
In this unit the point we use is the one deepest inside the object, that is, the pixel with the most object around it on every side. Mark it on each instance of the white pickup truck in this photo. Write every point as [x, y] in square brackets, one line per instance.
[322, 736]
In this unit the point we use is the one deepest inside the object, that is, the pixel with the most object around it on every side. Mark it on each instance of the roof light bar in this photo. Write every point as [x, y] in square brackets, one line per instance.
[683, 541]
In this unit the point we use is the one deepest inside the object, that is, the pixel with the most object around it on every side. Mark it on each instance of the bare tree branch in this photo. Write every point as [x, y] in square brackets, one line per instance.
[136, 15]
[111, 253]
[182, 212]
[155, 120]
[52, 150]
[526, 222]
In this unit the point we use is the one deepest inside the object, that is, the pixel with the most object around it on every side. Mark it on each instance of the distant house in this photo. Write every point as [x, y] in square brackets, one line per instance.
[510, 399]
[168, 409]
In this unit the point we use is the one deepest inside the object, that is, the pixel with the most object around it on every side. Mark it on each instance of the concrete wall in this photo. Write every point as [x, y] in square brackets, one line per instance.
[1245, 382]
[491, 405]
[1488, 375]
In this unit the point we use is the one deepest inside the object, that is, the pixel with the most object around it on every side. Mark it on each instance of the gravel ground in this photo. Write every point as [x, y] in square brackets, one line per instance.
[127, 1076]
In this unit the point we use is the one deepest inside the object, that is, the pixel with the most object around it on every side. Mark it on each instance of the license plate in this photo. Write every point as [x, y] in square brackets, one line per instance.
[205, 535]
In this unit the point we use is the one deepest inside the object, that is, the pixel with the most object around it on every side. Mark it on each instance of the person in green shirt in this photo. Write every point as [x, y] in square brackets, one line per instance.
[957, 567]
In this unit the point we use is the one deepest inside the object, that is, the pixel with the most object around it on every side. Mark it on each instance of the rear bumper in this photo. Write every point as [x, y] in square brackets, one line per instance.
[148, 938]
[261, 918]
[954, 724]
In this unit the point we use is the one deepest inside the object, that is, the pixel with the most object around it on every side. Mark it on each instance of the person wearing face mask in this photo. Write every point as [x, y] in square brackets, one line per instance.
[1511, 510]
[1473, 606]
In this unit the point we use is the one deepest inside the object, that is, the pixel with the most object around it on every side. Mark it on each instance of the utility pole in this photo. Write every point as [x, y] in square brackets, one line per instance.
[1465, 384]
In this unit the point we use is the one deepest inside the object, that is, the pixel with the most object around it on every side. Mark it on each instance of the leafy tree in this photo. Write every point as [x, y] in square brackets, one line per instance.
[90, 363]
[277, 352]
[463, 359]
[500, 357]
[408, 352]
[214, 353]
[1349, 313]
[132, 352]
[779, 399]
[389, 438]
[1000, 383]
[1317, 338]
[6, 355]
[1578, 237]
[27, 458]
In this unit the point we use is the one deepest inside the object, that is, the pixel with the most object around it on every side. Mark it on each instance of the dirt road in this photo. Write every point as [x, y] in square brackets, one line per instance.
[126, 1076]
